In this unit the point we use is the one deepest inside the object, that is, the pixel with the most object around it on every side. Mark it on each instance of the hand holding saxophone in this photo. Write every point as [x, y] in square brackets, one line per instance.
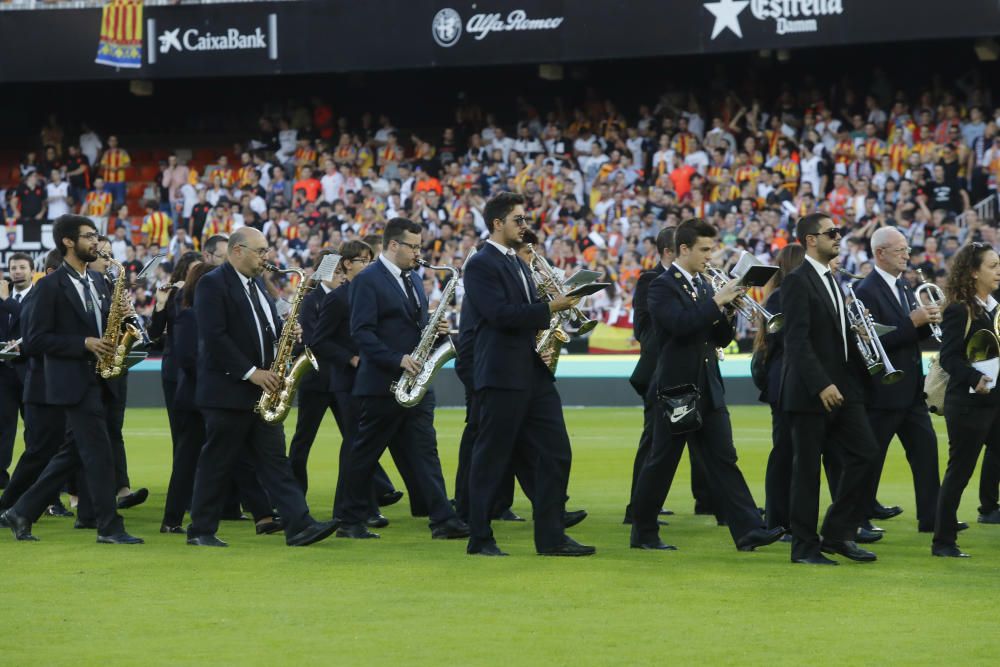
[267, 380]
[409, 364]
[99, 347]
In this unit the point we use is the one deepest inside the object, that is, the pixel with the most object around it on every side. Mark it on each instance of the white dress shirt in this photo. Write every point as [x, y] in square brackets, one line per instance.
[687, 276]
[253, 311]
[835, 296]
[94, 295]
[510, 253]
[891, 282]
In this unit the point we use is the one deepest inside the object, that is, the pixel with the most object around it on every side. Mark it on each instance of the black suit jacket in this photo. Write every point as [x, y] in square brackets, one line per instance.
[33, 364]
[643, 331]
[333, 339]
[384, 326]
[813, 347]
[688, 329]
[12, 327]
[309, 313]
[961, 375]
[161, 328]
[184, 348]
[466, 345]
[506, 321]
[228, 342]
[902, 345]
[57, 327]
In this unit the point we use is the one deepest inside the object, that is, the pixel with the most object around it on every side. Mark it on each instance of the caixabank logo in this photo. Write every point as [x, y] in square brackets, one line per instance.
[165, 41]
[789, 16]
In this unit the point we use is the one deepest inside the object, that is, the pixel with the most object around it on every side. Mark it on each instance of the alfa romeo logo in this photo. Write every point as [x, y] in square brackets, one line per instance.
[446, 27]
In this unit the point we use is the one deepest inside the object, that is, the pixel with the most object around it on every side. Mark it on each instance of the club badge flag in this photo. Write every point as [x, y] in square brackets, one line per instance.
[121, 34]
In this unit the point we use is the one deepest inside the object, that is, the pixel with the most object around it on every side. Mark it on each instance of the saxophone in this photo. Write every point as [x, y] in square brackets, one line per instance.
[121, 331]
[410, 388]
[273, 407]
[551, 341]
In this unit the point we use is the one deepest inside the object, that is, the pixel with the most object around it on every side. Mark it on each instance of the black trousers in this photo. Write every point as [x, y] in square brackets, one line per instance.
[913, 426]
[45, 432]
[169, 391]
[11, 392]
[90, 447]
[714, 443]
[703, 503]
[348, 408]
[528, 424]
[410, 434]
[845, 435]
[778, 478]
[968, 430]
[231, 435]
[115, 410]
[505, 494]
[989, 481]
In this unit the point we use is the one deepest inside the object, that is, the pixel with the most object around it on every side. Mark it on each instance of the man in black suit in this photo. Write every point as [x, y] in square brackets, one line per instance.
[238, 329]
[822, 389]
[642, 376]
[900, 409]
[69, 311]
[690, 324]
[12, 295]
[44, 425]
[520, 413]
[388, 316]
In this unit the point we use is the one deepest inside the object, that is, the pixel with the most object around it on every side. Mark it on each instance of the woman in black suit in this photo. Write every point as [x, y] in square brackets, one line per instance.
[971, 407]
[168, 301]
[769, 348]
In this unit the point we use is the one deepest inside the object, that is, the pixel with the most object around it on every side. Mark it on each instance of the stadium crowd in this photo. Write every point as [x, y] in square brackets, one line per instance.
[600, 181]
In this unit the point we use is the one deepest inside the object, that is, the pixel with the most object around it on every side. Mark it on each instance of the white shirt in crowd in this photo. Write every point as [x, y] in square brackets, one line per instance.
[333, 186]
[90, 145]
[57, 194]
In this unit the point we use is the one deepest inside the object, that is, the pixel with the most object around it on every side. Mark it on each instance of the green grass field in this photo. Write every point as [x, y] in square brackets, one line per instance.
[410, 600]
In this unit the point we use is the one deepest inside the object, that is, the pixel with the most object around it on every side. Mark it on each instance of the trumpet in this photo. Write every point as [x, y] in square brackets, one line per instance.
[745, 305]
[985, 344]
[551, 287]
[866, 338]
[935, 297]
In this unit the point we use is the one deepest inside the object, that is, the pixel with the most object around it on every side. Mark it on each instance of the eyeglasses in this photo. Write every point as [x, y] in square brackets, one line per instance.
[261, 252]
[833, 233]
[521, 220]
[415, 247]
[905, 250]
[89, 235]
[361, 260]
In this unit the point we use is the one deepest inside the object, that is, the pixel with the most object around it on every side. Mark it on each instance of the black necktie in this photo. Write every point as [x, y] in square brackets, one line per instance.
[901, 290]
[836, 301]
[267, 332]
[411, 295]
[17, 297]
[517, 269]
[699, 286]
[88, 300]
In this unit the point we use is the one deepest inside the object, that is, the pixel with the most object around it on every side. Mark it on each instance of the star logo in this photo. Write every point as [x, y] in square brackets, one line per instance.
[170, 39]
[726, 13]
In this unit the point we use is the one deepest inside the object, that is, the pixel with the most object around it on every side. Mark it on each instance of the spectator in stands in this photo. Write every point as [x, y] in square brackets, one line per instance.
[113, 164]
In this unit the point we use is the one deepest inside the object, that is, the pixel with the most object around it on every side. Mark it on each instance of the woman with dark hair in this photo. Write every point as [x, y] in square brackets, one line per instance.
[190, 425]
[971, 407]
[160, 328]
[769, 349]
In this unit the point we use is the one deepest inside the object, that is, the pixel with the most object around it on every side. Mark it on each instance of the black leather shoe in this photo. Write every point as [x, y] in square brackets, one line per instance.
[818, 559]
[570, 519]
[949, 551]
[866, 536]
[759, 537]
[658, 545]
[487, 550]
[390, 498]
[666, 512]
[509, 515]
[3, 521]
[787, 537]
[961, 525]
[569, 547]
[320, 530]
[19, 525]
[849, 549]
[81, 524]
[992, 517]
[164, 528]
[356, 531]
[868, 525]
[882, 513]
[133, 499]
[269, 528]
[377, 521]
[119, 538]
[452, 529]
[206, 541]
[59, 510]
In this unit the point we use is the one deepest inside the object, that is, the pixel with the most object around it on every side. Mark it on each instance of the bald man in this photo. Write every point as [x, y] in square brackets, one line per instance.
[900, 409]
[238, 328]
